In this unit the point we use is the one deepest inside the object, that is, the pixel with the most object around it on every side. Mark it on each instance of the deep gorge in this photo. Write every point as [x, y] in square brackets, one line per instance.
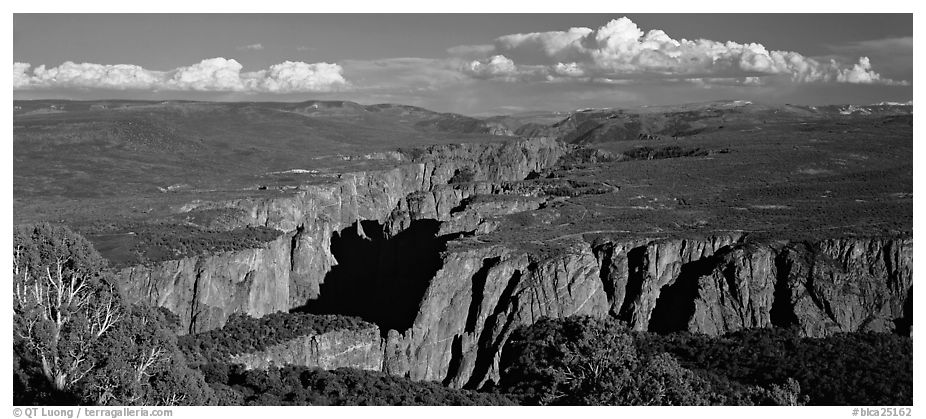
[379, 278]
[379, 245]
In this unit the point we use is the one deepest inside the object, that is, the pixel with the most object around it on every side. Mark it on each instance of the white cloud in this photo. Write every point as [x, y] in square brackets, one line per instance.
[862, 73]
[87, 75]
[569, 70]
[497, 66]
[20, 78]
[214, 74]
[537, 47]
[252, 47]
[621, 50]
[289, 76]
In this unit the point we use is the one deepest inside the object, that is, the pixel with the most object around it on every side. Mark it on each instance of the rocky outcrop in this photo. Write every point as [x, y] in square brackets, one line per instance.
[846, 284]
[711, 285]
[288, 272]
[727, 283]
[204, 290]
[361, 349]
[478, 298]
[454, 323]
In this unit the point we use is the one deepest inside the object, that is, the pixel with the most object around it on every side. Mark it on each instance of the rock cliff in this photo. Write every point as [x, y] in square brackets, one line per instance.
[288, 272]
[360, 349]
[711, 285]
[445, 313]
[204, 290]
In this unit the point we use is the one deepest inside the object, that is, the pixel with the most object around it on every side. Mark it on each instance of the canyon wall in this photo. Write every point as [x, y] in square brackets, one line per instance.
[288, 272]
[711, 285]
[464, 312]
[360, 349]
[204, 290]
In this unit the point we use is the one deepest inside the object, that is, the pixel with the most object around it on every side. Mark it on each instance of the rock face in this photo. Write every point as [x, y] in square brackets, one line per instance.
[203, 291]
[834, 285]
[712, 285]
[479, 297]
[288, 272]
[361, 349]
[848, 284]
[480, 292]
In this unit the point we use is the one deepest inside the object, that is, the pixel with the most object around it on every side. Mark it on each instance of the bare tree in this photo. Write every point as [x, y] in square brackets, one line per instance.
[61, 306]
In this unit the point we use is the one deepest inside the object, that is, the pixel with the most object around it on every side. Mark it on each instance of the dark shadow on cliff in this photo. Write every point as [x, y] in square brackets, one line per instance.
[495, 333]
[378, 278]
[675, 304]
[637, 260]
[904, 325]
[782, 313]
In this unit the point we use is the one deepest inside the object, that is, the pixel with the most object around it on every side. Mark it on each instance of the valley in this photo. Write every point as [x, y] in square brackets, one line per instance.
[443, 235]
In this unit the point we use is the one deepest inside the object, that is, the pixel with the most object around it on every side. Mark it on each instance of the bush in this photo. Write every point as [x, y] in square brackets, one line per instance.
[589, 361]
[300, 386]
[844, 369]
[76, 342]
[245, 334]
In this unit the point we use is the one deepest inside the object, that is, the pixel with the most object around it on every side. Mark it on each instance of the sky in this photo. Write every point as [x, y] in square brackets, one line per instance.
[475, 64]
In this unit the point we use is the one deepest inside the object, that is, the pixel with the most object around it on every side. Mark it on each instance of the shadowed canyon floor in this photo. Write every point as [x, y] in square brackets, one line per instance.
[449, 232]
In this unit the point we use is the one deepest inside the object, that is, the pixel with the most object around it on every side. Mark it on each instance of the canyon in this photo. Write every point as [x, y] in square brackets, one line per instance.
[446, 249]
[445, 315]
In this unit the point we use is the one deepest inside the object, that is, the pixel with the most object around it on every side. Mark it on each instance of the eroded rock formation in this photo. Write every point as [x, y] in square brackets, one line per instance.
[712, 285]
[457, 320]
[360, 349]
[288, 272]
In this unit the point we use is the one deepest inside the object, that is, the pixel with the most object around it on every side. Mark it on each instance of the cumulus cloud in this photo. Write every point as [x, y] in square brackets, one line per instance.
[214, 74]
[20, 78]
[289, 76]
[861, 73]
[621, 50]
[210, 75]
[88, 75]
[252, 47]
[497, 66]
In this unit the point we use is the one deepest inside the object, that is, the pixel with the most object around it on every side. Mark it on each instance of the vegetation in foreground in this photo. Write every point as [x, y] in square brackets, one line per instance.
[76, 342]
[302, 386]
[245, 334]
[574, 361]
[589, 361]
[874, 369]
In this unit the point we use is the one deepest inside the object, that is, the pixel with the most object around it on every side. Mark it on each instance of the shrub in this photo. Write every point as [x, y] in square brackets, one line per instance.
[589, 361]
[299, 386]
[76, 342]
[245, 334]
[844, 369]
